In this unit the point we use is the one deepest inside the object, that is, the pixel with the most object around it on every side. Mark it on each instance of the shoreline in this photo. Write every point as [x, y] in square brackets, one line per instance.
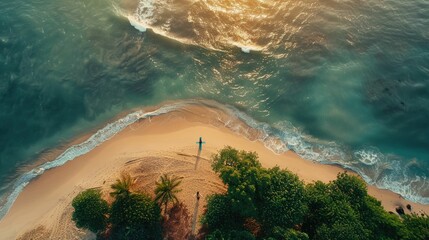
[46, 199]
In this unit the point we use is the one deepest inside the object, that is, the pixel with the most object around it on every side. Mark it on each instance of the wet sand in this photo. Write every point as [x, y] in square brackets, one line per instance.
[147, 149]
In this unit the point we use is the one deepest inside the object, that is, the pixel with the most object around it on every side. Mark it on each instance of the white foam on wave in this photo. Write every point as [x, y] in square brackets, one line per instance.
[410, 186]
[75, 151]
[249, 48]
[369, 156]
[145, 11]
[143, 16]
[373, 166]
[143, 26]
[279, 138]
[142, 20]
[245, 49]
[136, 24]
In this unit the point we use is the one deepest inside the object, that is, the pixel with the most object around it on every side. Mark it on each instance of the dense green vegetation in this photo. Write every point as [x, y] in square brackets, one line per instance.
[280, 206]
[135, 216]
[90, 210]
[130, 216]
[259, 203]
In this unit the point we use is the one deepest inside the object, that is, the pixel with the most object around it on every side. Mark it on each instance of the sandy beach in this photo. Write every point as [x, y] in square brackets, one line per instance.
[147, 149]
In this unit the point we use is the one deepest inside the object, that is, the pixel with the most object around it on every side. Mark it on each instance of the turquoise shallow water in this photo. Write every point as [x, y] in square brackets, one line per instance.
[341, 82]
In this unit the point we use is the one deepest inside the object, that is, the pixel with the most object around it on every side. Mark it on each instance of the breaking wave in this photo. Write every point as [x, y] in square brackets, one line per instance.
[75, 151]
[222, 25]
[376, 168]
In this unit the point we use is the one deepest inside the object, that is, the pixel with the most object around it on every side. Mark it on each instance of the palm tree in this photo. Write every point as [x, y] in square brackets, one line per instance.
[122, 186]
[166, 190]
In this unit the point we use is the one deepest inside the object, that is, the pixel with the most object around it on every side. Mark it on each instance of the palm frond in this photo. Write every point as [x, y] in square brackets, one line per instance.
[122, 186]
[166, 189]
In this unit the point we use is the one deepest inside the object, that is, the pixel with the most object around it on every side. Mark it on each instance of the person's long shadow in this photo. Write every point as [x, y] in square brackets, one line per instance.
[198, 159]
[194, 217]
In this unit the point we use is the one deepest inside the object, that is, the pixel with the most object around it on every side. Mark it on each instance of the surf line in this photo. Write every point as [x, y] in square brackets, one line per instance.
[77, 150]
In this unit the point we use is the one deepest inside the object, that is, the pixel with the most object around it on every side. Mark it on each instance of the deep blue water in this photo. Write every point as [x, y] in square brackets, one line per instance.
[343, 82]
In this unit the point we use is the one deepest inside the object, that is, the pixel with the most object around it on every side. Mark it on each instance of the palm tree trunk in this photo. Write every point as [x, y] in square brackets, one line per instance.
[165, 208]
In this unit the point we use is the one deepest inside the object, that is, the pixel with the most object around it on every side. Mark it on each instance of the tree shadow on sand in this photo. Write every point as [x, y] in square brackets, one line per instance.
[178, 225]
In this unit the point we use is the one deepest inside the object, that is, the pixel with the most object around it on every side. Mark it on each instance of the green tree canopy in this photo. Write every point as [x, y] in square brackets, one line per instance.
[240, 170]
[380, 223]
[273, 197]
[416, 227]
[135, 216]
[343, 208]
[219, 214]
[350, 187]
[331, 216]
[166, 190]
[279, 233]
[230, 235]
[90, 210]
[282, 202]
[283, 208]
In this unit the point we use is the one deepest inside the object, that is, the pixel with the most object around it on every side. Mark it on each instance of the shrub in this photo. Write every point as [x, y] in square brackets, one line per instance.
[90, 210]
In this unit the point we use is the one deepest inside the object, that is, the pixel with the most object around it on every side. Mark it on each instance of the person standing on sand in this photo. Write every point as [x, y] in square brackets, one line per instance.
[200, 144]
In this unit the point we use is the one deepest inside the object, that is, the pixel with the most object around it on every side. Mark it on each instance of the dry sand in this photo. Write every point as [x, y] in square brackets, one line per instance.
[147, 149]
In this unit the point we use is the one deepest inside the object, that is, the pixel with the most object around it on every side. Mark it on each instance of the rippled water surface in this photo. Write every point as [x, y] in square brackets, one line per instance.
[342, 82]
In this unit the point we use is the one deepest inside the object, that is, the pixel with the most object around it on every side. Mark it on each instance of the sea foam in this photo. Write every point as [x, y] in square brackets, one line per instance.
[136, 24]
[143, 16]
[75, 151]
[374, 167]
[245, 49]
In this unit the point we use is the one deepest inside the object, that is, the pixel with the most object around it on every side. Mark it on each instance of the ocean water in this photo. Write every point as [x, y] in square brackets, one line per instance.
[339, 82]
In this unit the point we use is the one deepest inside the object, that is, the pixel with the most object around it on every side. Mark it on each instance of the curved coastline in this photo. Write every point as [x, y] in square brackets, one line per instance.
[278, 140]
[77, 150]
